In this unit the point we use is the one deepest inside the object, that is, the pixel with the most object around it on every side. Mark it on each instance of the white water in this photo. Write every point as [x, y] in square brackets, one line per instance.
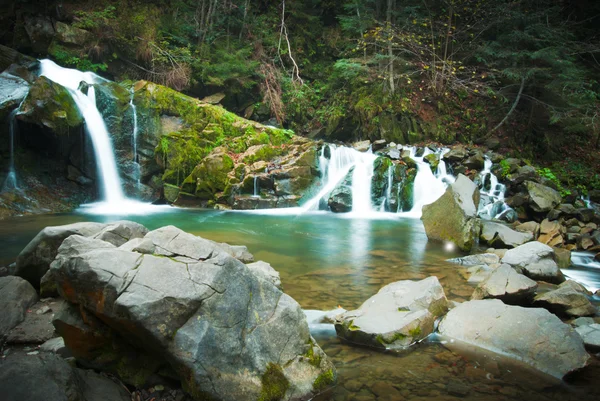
[585, 270]
[428, 187]
[336, 168]
[136, 165]
[10, 183]
[492, 203]
[255, 186]
[115, 202]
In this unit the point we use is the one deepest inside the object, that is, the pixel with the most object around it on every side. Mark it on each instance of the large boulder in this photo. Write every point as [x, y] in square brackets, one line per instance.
[541, 197]
[453, 216]
[536, 261]
[34, 260]
[226, 333]
[12, 92]
[500, 236]
[569, 299]
[16, 296]
[400, 314]
[531, 335]
[340, 199]
[505, 284]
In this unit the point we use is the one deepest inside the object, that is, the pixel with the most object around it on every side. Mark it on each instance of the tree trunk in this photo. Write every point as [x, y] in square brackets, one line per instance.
[390, 5]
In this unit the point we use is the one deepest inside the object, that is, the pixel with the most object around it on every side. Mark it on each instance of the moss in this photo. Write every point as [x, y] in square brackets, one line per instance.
[390, 340]
[416, 332]
[274, 384]
[324, 380]
[266, 153]
[352, 326]
[403, 309]
[313, 358]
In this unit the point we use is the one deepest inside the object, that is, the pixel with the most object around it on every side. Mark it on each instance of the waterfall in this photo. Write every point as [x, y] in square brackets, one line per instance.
[428, 187]
[388, 189]
[136, 164]
[10, 182]
[255, 186]
[335, 168]
[491, 205]
[115, 202]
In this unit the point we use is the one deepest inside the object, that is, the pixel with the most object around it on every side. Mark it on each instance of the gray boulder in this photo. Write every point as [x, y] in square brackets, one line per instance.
[536, 261]
[531, 335]
[34, 260]
[340, 199]
[590, 335]
[566, 300]
[16, 296]
[227, 334]
[500, 236]
[505, 284]
[453, 216]
[542, 198]
[12, 92]
[399, 315]
[265, 271]
[120, 232]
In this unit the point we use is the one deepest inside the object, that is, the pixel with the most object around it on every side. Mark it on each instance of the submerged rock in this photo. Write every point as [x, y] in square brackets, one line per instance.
[453, 216]
[532, 335]
[505, 284]
[226, 333]
[399, 315]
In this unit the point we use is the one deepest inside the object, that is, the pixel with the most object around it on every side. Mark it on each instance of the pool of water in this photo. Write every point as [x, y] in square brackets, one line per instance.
[328, 260]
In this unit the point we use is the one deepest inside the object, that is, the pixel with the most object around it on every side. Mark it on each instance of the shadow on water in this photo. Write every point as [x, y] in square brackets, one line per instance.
[327, 260]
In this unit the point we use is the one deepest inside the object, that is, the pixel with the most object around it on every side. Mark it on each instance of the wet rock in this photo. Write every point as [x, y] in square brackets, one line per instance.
[457, 154]
[590, 335]
[16, 296]
[433, 160]
[536, 261]
[474, 162]
[192, 301]
[500, 236]
[34, 260]
[532, 335]
[400, 314]
[453, 216]
[566, 300]
[12, 92]
[457, 388]
[265, 271]
[478, 259]
[362, 146]
[542, 198]
[378, 144]
[505, 284]
[340, 199]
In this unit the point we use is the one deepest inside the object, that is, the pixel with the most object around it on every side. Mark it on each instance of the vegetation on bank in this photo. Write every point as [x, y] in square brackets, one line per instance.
[410, 71]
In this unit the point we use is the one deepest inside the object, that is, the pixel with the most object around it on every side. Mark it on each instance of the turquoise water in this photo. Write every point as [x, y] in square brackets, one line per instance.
[326, 260]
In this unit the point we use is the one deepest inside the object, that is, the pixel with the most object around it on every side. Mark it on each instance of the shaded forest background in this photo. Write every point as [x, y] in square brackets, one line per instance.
[523, 74]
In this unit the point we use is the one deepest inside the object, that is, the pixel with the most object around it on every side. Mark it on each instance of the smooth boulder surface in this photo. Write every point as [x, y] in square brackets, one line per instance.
[226, 333]
[400, 314]
[34, 260]
[453, 216]
[567, 300]
[536, 261]
[531, 335]
[16, 295]
[590, 335]
[265, 271]
[541, 197]
[506, 284]
[500, 236]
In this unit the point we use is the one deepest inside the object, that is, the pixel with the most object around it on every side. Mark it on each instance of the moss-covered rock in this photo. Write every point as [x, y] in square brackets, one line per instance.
[433, 160]
[50, 105]
[382, 168]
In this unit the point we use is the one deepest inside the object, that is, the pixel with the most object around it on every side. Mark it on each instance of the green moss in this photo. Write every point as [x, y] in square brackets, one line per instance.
[313, 358]
[352, 326]
[274, 384]
[416, 332]
[324, 380]
[387, 341]
[403, 309]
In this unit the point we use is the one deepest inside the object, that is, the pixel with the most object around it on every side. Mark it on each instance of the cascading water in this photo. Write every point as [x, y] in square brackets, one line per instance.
[115, 201]
[388, 189]
[255, 187]
[491, 205]
[10, 183]
[584, 269]
[136, 164]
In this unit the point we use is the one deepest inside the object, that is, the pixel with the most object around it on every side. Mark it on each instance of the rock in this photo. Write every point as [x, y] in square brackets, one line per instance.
[214, 98]
[16, 296]
[140, 245]
[34, 329]
[96, 387]
[478, 273]
[42, 377]
[34, 260]
[457, 388]
[582, 321]
[542, 198]
[531, 335]
[536, 261]
[507, 285]
[70, 35]
[478, 259]
[400, 314]
[362, 146]
[523, 174]
[457, 154]
[50, 105]
[550, 233]
[56, 346]
[340, 199]
[433, 160]
[566, 300]
[585, 215]
[500, 236]
[474, 162]
[453, 216]
[378, 145]
[492, 143]
[265, 271]
[239, 252]
[321, 317]
[590, 335]
[12, 92]
[529, 227]
[562, 257]
[189, 302]
[120, 232]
